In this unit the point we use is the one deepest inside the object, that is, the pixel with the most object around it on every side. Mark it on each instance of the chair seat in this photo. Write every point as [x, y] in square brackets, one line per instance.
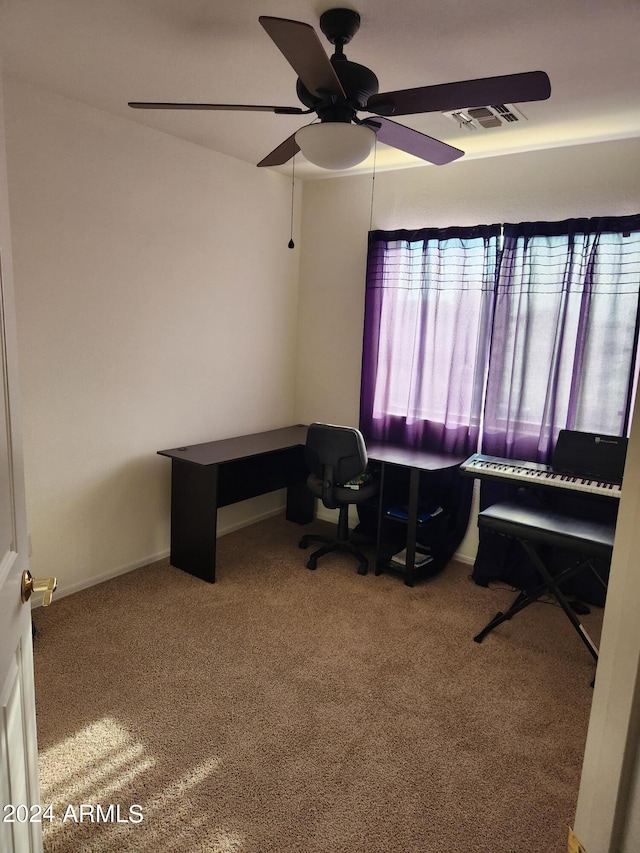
[344, 494]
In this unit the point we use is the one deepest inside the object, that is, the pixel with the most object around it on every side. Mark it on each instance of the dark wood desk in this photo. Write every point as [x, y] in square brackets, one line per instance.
[207, 476]
[416, 462]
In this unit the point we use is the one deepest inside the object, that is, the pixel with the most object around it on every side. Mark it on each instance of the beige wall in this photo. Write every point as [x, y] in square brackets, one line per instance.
[156, 306]
[608, 813]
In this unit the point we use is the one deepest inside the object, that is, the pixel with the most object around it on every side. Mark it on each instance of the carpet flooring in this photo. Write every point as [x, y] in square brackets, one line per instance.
[281, 710]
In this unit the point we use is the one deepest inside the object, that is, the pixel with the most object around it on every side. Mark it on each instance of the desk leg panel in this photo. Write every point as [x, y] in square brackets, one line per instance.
[412, 526]
[301, 502]
[194, 511]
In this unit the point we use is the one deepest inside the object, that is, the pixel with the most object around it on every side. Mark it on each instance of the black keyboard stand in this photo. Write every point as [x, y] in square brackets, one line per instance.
[533, 526]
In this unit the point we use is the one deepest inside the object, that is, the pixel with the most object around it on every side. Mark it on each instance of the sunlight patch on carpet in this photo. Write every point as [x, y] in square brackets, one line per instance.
[91, 765]
[103, 764]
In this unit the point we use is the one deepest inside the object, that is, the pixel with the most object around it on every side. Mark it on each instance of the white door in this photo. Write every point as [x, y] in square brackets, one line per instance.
[20, 826]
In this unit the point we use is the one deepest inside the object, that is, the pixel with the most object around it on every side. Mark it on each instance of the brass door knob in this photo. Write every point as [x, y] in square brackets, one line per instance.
[45, 585]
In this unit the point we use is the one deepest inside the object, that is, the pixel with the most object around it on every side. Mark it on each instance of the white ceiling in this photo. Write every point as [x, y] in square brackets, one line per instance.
[105, 53]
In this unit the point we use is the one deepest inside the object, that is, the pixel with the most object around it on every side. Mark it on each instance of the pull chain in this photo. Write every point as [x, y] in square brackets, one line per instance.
[291, 244]
[373, 183]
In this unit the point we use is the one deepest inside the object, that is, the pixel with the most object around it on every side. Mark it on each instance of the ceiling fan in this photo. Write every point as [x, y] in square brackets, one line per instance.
[337, 89]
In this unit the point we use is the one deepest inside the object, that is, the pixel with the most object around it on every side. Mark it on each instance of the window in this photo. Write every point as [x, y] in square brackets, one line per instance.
[428, 314]
[530, 337]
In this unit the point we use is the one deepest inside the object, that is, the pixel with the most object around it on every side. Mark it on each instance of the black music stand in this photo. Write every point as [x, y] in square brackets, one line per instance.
[533, 527]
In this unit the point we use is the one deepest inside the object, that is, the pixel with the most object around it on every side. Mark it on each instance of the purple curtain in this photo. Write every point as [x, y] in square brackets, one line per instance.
[428, 308]
[562, 356]
[564, 334]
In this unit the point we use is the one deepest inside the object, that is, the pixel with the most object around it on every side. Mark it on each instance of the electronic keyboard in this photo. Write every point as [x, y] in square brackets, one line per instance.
[535, 474]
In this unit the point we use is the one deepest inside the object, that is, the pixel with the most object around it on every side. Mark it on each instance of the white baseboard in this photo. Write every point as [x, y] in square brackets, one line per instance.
[231, 527]
[253, 519]
[94, 580]
[461, 557]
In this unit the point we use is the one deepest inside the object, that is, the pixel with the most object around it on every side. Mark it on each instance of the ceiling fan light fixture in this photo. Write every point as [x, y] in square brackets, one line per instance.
[335, 144]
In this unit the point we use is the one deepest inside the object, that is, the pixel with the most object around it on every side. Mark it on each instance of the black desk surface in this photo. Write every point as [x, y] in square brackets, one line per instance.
[242, 447]
[245, 446]
[409, 457]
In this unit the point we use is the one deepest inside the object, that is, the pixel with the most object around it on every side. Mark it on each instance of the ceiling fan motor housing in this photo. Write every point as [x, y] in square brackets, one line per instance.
[358, 82]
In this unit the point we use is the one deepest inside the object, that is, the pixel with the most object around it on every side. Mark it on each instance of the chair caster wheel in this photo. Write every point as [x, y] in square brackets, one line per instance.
[363, 569]
[311, 564]
[303, 544]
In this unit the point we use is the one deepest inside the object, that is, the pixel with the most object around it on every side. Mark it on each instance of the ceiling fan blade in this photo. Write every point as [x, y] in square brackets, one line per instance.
[161, 105]
[301, 47]
[413, 142]
[507, 89]
[282, 154]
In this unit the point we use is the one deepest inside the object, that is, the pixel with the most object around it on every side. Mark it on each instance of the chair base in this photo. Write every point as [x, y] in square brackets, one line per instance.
[333, 545]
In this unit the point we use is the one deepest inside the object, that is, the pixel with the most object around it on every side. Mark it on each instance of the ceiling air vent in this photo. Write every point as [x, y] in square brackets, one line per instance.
[478, 118]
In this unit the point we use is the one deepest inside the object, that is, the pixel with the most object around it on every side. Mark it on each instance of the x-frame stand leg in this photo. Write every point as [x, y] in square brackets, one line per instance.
[550, 585]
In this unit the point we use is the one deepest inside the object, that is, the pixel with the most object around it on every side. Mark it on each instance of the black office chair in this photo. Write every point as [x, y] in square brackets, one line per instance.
[336, 455]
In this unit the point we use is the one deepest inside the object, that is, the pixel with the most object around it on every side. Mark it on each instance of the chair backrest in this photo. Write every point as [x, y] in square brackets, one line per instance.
[335, 453]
